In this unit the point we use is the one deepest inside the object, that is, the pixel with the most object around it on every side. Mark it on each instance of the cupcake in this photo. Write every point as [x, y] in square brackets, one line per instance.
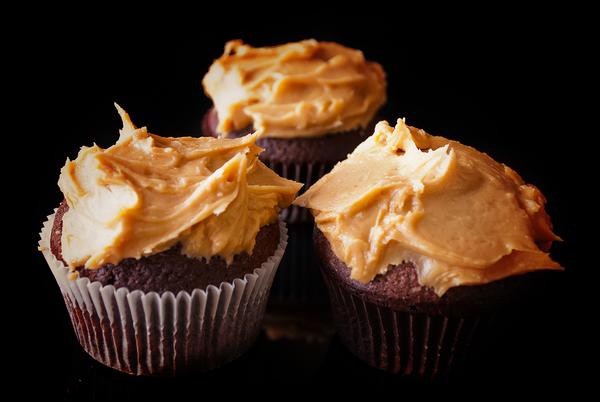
[421, 241]
[165, 249]
[310, 102]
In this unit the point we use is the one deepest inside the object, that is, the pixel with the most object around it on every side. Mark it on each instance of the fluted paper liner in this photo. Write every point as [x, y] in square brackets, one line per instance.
[401, 342]
[298, 280]
[150, 334]
[307, 173]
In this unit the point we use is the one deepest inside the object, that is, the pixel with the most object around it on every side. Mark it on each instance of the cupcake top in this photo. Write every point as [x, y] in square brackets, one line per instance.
[459, 216]
[301, 89]
[146, 193]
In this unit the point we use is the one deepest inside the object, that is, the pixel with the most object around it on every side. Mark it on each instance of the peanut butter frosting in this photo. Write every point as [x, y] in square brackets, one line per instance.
[301, 89]
[459, 216]
[146, 193]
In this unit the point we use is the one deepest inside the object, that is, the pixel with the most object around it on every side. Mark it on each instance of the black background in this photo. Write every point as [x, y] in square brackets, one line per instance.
[505, 86]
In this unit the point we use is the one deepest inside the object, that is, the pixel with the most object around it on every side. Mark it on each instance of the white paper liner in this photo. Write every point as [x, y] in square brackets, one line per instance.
[150, 334]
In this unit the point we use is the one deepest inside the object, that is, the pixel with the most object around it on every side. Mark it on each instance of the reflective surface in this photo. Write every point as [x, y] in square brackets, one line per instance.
[499, 91]
[298, 346]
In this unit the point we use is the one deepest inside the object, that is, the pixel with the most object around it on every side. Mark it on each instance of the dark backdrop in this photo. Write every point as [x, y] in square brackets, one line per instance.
[503, 87]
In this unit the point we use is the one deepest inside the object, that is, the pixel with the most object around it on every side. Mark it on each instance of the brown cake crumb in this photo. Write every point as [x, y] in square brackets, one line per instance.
[171, 270]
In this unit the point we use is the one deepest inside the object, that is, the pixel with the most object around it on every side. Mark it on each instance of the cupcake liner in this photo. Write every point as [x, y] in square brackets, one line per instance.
[413, 344]
[150, 334]
[307, 173]
[298, 281]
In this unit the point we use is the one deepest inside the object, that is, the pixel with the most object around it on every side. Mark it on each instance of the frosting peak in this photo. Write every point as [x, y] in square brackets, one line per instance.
[147, 193]
[300, 89]
[459, 216]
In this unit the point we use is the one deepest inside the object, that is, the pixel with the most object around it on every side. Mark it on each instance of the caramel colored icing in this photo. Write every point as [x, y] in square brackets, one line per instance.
[147, 193]
[301, 89]
[459, 216]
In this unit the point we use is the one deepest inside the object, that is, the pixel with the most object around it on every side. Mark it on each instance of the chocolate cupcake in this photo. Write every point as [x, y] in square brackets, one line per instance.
[421, 241]
[165, 249]
[311, 103]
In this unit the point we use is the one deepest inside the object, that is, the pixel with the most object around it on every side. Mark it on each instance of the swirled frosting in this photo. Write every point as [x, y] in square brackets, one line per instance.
[300, 89]
[146, 193]
[459, 216]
